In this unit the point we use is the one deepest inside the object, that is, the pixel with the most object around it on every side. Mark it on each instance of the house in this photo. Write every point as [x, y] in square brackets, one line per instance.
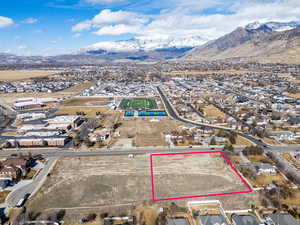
[281, 218]
[3, 184]
[22, 162]
[297, 155]
[285, 136]
[10, 173]
[103, 134]
[264, 168]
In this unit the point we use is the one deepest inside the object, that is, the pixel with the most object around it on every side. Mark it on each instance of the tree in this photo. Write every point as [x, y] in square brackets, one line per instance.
[264, 203]
[228, 147]
[213, 141]
[232, 139]
[60, 215]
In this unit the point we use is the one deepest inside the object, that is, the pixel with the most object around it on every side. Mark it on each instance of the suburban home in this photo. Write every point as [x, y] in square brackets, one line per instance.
[12, 173]
[103, 134]
[281, 218]
[285, 136]
[264, 168]
[22, 162]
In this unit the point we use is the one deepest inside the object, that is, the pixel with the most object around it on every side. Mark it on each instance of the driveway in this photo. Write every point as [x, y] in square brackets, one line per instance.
[32, 186]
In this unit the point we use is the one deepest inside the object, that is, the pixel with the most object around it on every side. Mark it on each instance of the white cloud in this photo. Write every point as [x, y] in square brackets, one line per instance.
[118, 30]
[29, 20]
[186, 18]
[84, 25]
[109, 18]
[5, 22]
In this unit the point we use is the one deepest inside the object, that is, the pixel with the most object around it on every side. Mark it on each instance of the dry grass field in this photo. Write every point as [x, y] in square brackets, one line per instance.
[118, 180]
[294, 200]
[264, 179]
[78, 88]
[146, 133]
[212, 112]
[90, 111]
[3, 195]
[23, 74]
[291, 160]
[88, 101]
[259, 158]
[205, 173]
[297, 95]
[242, 141]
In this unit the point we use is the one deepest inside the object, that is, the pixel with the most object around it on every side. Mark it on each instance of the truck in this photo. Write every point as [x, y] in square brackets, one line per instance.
[22, 200]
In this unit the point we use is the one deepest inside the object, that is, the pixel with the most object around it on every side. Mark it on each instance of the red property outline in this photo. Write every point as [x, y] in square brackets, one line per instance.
[249, 190]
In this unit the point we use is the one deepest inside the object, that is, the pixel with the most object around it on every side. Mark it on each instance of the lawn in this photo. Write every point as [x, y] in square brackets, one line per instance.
[138, 103]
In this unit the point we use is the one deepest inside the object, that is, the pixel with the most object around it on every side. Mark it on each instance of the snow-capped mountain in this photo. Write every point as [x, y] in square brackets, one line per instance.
[273, 26]
[146, 44]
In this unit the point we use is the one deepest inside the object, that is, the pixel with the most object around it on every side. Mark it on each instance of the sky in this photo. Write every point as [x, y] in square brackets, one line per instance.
[52, 27]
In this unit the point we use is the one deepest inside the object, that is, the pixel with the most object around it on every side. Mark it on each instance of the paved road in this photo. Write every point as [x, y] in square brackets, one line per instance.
[14, 197]
[172, 113]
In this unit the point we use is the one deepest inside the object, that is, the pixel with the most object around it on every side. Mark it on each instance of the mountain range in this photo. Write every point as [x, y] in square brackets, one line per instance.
[267, 43]
[264, 42]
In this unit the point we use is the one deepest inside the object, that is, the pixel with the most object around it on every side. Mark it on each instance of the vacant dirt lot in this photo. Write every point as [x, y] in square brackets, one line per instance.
[213, 112]
[118, 180]
[147, 133]
[23, 74]
[265, 179]
[205, 173]
[90, 111]
[297, 95]
[88, 101]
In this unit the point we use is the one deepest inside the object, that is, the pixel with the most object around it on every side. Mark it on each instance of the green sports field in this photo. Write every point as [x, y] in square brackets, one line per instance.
[138, 104]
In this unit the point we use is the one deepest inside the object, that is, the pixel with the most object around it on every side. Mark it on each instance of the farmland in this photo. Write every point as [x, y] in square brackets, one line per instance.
[11, 75]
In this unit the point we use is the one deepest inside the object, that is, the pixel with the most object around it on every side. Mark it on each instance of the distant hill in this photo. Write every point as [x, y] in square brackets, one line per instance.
[255, 42]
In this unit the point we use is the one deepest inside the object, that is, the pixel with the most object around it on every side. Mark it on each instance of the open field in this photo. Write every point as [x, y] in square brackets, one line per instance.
[78, 88]
[264, 179]
[146, 133]
[291, 160]
[212, 112]
[3, 195]
[23, 74]
[242, 141]
[138, 104]
[297, 95]
[88, 101]
[270, 141]
[117, 180]
[206, 173]
[90, 111]
[259, 158]
[294, 200]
